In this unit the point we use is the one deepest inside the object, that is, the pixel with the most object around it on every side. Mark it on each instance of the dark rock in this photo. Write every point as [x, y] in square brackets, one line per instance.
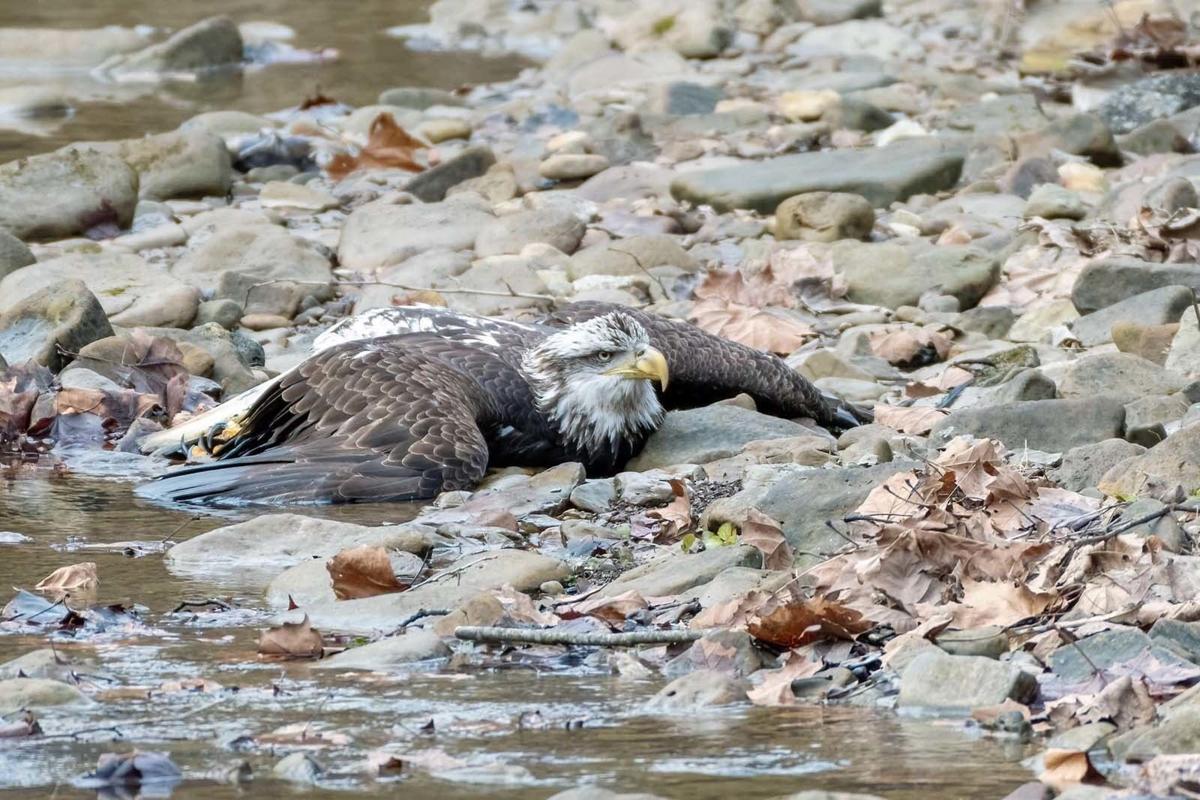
[1111, 280]
[1108, 651]
[1039, 423]
[1082, 467]
[1144, 101]
[431, 185]
[51, 324]
[882, 176]
[679, 98]
[1155, 307]
[14, 254]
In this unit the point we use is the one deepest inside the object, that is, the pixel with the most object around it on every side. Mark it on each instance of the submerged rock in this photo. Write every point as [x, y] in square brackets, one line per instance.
[35, 693]
[700, 689]
[209, 44]
[386, 655]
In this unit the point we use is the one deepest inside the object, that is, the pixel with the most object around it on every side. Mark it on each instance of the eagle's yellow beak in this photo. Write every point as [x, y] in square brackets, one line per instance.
[650, 365]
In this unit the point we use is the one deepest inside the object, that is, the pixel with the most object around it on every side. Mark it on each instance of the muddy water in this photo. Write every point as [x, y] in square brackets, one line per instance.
[528, 725]
[368, 61]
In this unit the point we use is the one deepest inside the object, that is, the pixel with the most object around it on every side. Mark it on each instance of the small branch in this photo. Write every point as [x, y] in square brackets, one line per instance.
[551, 636]
[448, 290]
[211, 602]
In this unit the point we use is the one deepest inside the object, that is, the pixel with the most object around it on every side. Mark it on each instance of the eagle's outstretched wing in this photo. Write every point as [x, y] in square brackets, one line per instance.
[359, 421]
[707, 368]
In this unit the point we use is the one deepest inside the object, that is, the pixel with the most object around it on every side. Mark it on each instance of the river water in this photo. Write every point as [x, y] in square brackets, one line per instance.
[528, 725]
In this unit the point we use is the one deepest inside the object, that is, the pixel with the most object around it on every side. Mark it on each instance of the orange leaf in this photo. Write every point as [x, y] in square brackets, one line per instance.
[753, 327]
[917, 421]
[291, 640]
[75, 579]
[797, 623]
[388, 147]
[364, 571]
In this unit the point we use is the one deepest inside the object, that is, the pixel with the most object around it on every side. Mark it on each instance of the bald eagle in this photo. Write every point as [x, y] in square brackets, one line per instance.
[443, 397]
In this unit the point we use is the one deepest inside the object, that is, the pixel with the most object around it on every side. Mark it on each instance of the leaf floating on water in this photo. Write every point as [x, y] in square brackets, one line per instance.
[364, 571]
[302, 733]
[73, 580]
[388, 147]
[766, 535]
[291, 640]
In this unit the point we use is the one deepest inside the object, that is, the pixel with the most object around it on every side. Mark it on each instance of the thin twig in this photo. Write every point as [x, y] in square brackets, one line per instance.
[448, 290]
[552, 636]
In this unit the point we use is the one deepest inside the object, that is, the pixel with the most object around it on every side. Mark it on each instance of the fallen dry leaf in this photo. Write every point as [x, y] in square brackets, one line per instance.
[364, 571]
[291, 640]
[774, 686]
[388, 147]
[751, 326]
[917, 421]
[613, 610]
[303, 734]
[766, 535]
[794, 623]
[996, 603]
[75, 579]
[1066, 768]
[677, 514]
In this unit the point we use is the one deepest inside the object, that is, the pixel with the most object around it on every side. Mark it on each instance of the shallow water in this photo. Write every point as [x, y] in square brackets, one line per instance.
[589, 726]
[369, 61]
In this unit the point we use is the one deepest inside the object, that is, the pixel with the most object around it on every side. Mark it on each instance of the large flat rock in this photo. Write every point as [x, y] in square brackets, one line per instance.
[883, 176]
[700, 435]
[253, 552]
[1040, 424]
[1111, 280]
[65, 193]
[450, 588]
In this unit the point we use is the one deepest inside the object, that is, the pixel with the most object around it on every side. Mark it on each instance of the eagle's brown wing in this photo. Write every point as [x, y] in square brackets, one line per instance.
[360, 421]
[706, 368]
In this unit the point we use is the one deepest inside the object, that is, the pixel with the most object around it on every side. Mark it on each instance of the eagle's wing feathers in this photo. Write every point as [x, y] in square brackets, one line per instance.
[359, 421]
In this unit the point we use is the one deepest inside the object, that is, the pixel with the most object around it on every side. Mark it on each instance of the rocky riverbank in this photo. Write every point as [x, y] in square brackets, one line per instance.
[978, 218]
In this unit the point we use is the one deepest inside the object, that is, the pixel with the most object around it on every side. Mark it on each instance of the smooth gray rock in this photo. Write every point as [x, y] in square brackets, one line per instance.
[1119, 375]
[64, 193]
[299, 768]
[1171, 464]
[824, 217]
[262, 267]
[700, 435]
[234, 354]
[1077, 662]
[510, 233]
[1077, 134]
[14, 253]
[390, 654]
[221, 311]
[1082, 467]
[895, 274]
[131, 291]
[883, 176]
[1181, 637]
[255, 550]
[44, 663]
[1038, 424]
[1111, 280]
[1155, 307]
[309, 581]
[176, 164]
[209, 44]
[380, 235]
[1050, 201]
[457, 583]
[700, 689]
[52, 320]
[936, 680]
[595, 495]
[631, 256]
[828, 495]
[675, 571]
[432, 185]
[682, 98]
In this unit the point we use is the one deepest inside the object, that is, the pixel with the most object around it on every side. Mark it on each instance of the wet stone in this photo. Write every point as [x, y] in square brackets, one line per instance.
[936, 680]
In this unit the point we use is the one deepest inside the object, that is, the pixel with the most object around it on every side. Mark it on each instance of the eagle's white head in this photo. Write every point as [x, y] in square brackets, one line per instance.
[595, 379]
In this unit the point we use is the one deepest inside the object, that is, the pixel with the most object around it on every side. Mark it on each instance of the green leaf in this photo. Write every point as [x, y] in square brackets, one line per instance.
[687, 542]
[727, 533]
